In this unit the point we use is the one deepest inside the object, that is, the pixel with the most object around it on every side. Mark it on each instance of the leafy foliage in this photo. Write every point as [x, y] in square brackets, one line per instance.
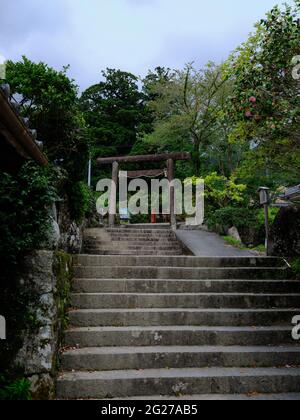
[25, 200]
[113, 109]
[188, 108]
[221, 192]
[24, 210]
[80, 196]
[17, 390]
[49, 100]
[265, 100]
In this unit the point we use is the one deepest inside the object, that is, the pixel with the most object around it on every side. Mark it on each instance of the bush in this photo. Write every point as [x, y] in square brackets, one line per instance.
[223, 219]
[24, 210]
[80, 197]
[249, 221]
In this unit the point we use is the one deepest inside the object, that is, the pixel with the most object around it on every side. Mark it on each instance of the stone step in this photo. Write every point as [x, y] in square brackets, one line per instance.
[145, 238]
[183, 300]
[184, 261]
[184, 286]
[153, 233]
[150, 272]
[119, 358]
[216, 397]
[135, 247]
[143, 242]
[126, 252]
[187, 317]
[177, 381]
[179, 335]
[150, 230]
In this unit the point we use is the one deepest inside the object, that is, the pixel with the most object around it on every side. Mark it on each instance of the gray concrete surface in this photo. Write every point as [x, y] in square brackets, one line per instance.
[207, 244]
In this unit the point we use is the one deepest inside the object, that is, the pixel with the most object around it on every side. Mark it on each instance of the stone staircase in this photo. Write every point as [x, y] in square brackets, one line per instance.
[163, 327]
[130, 240]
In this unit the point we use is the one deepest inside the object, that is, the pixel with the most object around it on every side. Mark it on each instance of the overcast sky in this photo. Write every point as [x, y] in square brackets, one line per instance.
[133, 35]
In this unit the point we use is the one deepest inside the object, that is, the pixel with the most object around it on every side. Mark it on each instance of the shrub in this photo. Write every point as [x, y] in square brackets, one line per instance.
[224, 219]
[80, 197]
[249, 221]
[17, 390]
[25, 200]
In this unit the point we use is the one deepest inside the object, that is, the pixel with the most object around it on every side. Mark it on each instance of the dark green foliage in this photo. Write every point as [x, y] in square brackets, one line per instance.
[49, 100]
[25, 200]
[296, 267]
[250, 222]
[228, 217]
[16, 390]
[80, 197]
[265, 101]
[113, 110]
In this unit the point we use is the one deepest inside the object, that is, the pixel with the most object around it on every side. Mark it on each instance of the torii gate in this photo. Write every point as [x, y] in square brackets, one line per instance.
[171, 158]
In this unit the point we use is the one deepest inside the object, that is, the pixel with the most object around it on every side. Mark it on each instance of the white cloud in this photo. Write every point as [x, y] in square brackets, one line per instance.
[133, 35]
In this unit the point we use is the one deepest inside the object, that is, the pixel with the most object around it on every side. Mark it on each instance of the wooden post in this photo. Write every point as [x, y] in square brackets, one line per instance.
[266, 207]
[171, 176]
[113, 194]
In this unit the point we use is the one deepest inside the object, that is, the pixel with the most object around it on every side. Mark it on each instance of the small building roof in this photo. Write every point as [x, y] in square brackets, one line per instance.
[291, 194]
[17, 142]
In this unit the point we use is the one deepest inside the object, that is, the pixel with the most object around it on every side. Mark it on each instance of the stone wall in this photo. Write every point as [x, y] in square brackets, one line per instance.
[47, 275]
[71, 234]
[285, 233]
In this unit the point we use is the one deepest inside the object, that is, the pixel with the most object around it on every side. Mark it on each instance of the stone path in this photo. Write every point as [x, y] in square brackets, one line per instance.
[207, 244]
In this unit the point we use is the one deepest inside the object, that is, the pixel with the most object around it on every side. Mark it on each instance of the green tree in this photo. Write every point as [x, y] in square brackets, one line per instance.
[265, 103]
[189, 111]
[49, 99]
[114, 110]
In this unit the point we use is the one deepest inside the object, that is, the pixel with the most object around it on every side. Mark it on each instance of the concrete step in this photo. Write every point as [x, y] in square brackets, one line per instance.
[183, 300]
[184, 261]
[137, 233]
[132, 242]
[126, 252]
[173, 273]
[184, 286]
[188, 317]
[119, 358]
[148, 229]
[179, 335]
[150, 238]
[216, 397]
[136, 247]
[177, 381]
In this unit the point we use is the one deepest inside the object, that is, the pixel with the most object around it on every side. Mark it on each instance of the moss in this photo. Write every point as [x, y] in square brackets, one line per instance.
[63, 271]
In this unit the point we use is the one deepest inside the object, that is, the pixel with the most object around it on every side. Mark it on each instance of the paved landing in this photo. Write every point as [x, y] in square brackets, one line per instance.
[207, 244]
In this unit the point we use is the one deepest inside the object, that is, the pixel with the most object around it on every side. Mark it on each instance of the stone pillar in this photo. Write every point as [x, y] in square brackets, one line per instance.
[113, 194]
[171, 176]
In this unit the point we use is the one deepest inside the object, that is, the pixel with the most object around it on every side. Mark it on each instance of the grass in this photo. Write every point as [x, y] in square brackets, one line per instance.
[237, 244]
